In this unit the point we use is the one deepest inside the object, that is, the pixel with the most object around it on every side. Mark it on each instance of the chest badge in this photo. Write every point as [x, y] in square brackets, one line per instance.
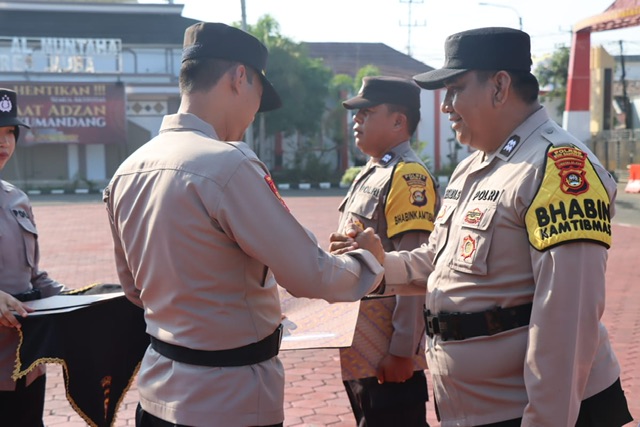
[473, 217]
[468, 248]
[442, 212]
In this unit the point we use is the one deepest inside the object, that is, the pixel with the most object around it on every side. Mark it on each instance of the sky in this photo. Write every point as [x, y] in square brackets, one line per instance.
[549, 22]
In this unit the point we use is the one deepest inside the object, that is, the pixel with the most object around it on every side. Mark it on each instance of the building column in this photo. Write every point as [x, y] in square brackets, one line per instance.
[96, 162]
[73, 161]
[346, 139]
[576, 118]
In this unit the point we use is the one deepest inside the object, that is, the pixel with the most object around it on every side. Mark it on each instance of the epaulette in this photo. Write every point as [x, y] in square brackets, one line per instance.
[555, 137]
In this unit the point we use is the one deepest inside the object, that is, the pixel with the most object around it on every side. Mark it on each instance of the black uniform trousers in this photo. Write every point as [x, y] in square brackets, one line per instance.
[145, 419]
[389, 404]
[606, 409]
[24, 406]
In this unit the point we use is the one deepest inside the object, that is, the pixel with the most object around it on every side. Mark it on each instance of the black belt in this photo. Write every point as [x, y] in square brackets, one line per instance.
[460, 326]
[249, 354]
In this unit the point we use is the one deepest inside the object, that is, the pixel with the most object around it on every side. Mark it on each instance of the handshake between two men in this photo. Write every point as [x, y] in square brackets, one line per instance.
[354, 237]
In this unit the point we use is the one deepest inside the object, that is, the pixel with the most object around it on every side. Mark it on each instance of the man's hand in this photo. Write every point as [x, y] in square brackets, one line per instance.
[8, 303]
[370, 241]
[353, 238]
[394, 369]
[341, 243]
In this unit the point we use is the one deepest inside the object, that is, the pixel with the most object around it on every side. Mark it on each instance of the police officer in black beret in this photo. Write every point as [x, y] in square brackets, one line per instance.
[22, 401]
[198, 229]
[394, 193]
[515, 267]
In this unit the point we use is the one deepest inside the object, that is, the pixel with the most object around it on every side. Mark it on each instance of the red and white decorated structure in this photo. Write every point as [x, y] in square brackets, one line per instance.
[621, 14]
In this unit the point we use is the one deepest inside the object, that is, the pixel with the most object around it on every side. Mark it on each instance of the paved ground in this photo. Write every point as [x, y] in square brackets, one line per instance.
[76, 250]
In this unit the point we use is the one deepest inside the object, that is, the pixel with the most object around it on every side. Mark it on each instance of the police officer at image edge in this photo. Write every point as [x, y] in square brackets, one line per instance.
[514, 305]
[21, 401]
[190, 249]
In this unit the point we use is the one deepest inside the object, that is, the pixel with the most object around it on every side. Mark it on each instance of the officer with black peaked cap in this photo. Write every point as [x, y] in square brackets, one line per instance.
[515, 269]
[488, 49]
[215, 40]
[201, 234]
[395, 195]
[9, 111]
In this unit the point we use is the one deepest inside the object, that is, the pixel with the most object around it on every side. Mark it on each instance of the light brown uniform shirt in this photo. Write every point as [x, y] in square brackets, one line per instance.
[19, 257]
[479, 257]
[199, 233]
[391, 325]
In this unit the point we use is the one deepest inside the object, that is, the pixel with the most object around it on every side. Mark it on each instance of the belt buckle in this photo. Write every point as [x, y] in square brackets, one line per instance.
[280, 334]
[433, 325]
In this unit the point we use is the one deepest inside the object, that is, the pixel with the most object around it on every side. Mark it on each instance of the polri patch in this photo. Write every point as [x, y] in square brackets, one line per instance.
[417, 183]
[274, 189]
[410, 204]
[570, 162]
[571, 204]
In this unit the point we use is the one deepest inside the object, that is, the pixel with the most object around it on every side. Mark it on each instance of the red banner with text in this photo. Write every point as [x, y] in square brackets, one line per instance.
[71, 113]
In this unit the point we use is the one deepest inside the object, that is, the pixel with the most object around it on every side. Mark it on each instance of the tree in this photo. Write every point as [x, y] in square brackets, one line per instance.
[301, 81]
[366, 71]
[552, 73]
[342, 87]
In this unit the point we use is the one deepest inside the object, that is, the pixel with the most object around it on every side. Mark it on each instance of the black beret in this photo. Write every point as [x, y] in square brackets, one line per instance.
[9, 109]
[385, 90]
[220, 41]
[492, 48]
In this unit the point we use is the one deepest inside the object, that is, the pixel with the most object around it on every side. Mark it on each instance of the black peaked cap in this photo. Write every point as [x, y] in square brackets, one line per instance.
[492, 48]
[220, 41]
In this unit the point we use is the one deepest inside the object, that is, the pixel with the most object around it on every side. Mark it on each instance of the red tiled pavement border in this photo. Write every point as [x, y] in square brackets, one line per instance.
[76, 250]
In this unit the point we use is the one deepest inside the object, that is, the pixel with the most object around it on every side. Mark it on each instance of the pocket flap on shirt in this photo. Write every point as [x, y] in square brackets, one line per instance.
[478, 216]
[445, 212]
[27, 225]
[363, 205]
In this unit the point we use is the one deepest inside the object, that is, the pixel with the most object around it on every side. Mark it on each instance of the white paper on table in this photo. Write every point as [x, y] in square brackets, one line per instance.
[315, 323]
[65, 303]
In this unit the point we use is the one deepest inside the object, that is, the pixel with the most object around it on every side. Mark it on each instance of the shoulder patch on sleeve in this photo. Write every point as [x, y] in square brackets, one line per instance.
[411, 202]
[571, 204]
[274, 189]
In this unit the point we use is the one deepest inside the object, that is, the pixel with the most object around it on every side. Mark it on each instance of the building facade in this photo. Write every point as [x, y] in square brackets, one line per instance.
[93, 80]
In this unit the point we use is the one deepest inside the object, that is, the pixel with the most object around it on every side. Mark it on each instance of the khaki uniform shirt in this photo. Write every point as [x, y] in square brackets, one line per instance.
[397, 197]
[517, 226]
[199, 233]
[19, 256]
